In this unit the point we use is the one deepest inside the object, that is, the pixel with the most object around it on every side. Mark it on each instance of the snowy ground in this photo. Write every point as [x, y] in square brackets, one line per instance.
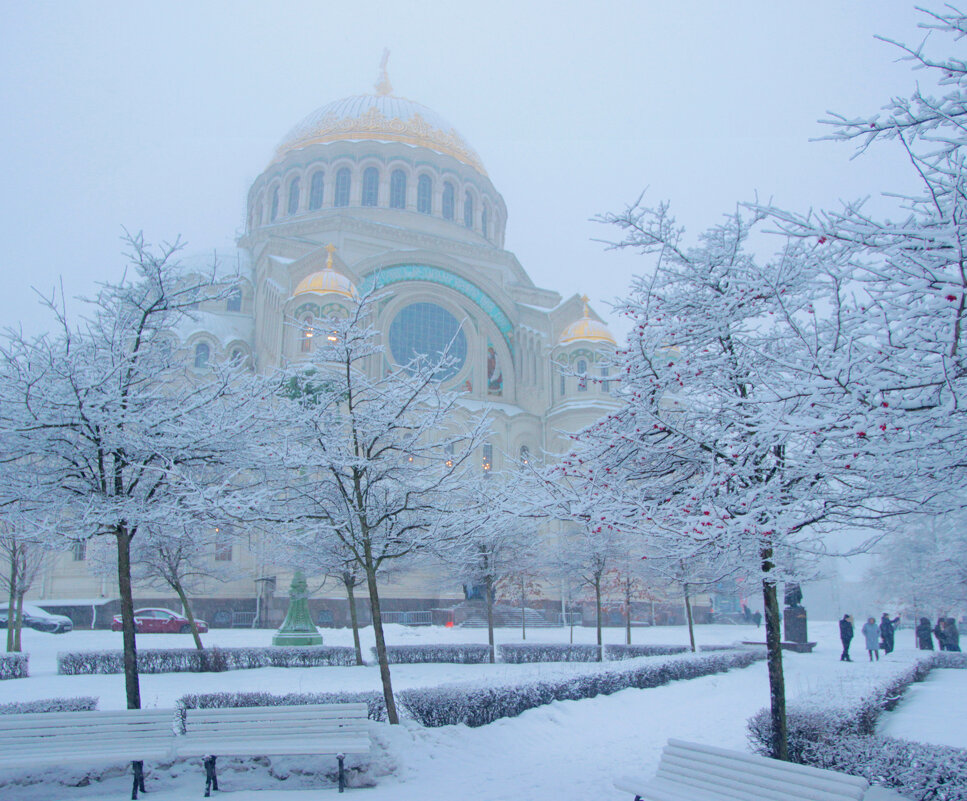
[932, 711]
[565, 751]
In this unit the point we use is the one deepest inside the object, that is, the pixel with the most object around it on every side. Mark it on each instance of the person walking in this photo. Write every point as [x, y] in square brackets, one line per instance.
[952, 634]
[887, 632]
[846, 636]
[924, 638]
[940, 634]
[872, 634]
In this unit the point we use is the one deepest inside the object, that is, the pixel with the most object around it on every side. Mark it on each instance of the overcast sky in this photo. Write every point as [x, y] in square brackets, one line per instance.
[158, 116]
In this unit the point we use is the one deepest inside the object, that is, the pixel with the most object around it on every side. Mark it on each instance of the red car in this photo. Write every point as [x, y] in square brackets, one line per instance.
[159, 621]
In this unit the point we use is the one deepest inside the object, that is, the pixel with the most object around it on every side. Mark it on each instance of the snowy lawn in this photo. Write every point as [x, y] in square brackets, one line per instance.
[932, 711]
[565, 751]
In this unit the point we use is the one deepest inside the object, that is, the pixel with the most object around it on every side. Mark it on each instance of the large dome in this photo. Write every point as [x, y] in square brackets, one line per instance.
[380, 117]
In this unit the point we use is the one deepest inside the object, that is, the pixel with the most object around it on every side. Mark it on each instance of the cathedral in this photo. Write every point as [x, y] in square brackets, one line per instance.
[376, 191]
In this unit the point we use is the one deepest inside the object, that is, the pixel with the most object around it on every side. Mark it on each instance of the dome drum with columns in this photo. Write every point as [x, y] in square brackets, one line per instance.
[379, 192]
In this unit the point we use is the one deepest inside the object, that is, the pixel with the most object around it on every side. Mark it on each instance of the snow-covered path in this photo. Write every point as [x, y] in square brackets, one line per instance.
[932, 711]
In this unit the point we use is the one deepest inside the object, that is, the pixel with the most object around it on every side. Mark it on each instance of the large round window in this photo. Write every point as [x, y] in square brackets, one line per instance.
[425, 329]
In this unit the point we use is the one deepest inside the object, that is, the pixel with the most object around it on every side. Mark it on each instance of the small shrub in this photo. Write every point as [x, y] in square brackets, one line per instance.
[615, 652]
[86, 703]
[13, 666]
[375, 704]
[464, 654]
[520, 653]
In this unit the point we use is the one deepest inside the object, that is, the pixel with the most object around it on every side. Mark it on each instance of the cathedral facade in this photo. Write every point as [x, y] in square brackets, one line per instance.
[379, 192]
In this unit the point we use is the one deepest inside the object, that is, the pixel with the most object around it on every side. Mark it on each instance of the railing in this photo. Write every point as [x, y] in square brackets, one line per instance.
[242, 620]
[423, 618]
[570, 618]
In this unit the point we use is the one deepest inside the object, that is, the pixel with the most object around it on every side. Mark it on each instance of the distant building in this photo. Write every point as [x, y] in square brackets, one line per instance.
[379, 191]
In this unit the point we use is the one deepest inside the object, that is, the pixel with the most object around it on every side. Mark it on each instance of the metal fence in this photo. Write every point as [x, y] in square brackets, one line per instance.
[423, 618]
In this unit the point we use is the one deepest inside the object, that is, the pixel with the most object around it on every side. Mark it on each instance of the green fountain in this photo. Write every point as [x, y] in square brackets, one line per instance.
[297, 628]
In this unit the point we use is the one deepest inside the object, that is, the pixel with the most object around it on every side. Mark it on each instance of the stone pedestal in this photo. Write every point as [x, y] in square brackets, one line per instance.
[297, 628]
[794, 624]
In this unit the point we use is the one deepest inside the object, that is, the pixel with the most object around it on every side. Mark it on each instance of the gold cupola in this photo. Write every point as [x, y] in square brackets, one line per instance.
[586, 329]
[327, 281]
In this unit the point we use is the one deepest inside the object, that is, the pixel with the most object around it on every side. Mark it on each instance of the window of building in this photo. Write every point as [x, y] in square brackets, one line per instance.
[468, 210]
[488, 457]
[343, 181]
[223, 545]
[238, 356]
[582, 376]
[79, 551]
[484, 221]
[525, 455]
[563, 383]
[305, 343]
[316, 186]
[449, 195]
[430, 331]
[202, 355]
[448, 450]
[275, 205]
[424, 194]
[397, 190]
[294, 196]
[234, 302]
[605, 385]
[370, 186]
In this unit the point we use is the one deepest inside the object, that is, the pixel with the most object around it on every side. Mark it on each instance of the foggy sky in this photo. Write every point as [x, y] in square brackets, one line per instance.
[158, 116]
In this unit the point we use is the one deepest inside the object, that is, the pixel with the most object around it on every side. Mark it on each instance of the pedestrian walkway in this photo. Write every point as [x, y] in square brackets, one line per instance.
[932, 711]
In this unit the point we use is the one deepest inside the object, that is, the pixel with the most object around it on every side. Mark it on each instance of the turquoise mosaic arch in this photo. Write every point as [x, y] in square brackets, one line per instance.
[436, 275]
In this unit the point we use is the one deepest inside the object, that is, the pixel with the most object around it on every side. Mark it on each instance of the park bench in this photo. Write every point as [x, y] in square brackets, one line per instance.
[59, 738]
[317, 729]
[694, 772]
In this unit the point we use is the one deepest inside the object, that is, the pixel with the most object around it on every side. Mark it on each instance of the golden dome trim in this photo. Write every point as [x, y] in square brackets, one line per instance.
[586, 329]
[373, 124]
[326, 281]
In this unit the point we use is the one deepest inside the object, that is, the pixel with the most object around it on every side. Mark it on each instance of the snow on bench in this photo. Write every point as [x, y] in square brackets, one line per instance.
[58, 738]
[690, 771]
[317, 729]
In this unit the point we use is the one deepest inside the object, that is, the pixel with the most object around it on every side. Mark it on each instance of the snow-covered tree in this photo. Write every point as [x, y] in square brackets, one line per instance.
[120, 436]
[374, 456]
[23, 556]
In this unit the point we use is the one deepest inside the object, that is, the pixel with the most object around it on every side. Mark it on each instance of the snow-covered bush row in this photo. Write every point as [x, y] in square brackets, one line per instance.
[13, 666]
[375, 704]
[632, 651]
[461, 653]
[191, 660]
[838, 734]
[82, 703]
[479, 704]
[518, 653]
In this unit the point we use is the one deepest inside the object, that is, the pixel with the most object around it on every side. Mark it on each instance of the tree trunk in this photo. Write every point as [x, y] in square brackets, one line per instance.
[489, 582]
[688, 618]
[777, 685]
[384, 675]
[628, 612]
[349, 583]
[12, 599]
[19, 625]
[597, 606]
[523, 611]
[132, 687]
[176, 586]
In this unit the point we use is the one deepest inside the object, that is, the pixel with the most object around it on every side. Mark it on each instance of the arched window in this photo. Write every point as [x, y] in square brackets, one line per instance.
[488, 457]
[315, 190]
[202, 354]
[343, 179]
[370, 186]
[525, 456]
[563, 383]
[238, 355]
[293, 196]
[468, 210]
[605, 385]
[424, 194]
[484, 221]
[448, 200]
[582, 376]
[275, 205]
[397, 190]
[234, 302]
[305, 344]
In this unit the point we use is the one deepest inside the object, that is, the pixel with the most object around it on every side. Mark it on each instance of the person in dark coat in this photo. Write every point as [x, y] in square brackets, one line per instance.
[871, 633]
[952, 634]
[924, 640]
[846, 636]
[886, 632]
[940, 634]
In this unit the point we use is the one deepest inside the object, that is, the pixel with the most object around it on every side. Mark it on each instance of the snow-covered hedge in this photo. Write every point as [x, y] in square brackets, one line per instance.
[191, 660]
[477, 705]
[518, 653]
[375, 704]
[464, 654]
[13, 666]
[841, 737]
[633, 651]
[83, 703]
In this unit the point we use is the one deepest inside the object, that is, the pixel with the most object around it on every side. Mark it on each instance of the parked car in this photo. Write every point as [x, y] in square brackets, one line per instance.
[36, 618]
[159, 621]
